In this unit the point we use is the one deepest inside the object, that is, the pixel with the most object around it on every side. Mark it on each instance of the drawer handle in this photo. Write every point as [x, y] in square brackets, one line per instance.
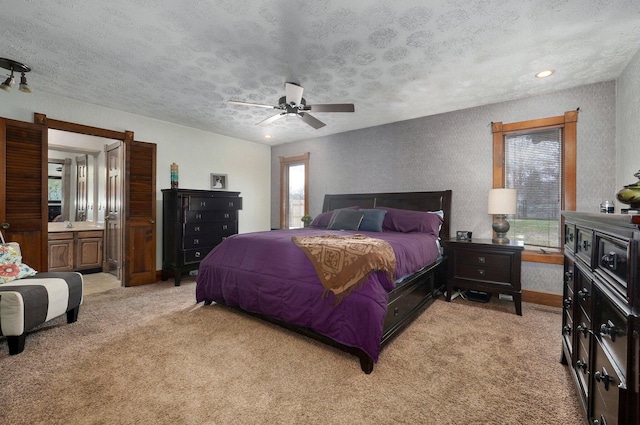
[566, 330]
[196, 241]
[224, 227]
[581, 364]
[197, 254]
[610, 330]
[568, 276]
[226, 215]
[481, 272]
[567, 303]
[231, 203]
[203, 203]
[570, 237]
[585, 245]
[604, 378]
[583, 329]
[481, 260]
[610, 260]
[196, 229]
[584, 294]
[396, 311]
[199, 216]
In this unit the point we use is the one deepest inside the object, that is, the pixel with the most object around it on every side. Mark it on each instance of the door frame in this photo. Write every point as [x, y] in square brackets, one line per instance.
[125, 136]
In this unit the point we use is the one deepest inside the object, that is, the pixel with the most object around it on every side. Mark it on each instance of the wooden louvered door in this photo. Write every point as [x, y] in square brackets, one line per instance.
[23, 189]
[140, 212]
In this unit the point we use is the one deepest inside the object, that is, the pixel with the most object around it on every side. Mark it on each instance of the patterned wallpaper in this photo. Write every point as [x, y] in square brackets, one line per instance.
[628, 130]
[454, 151]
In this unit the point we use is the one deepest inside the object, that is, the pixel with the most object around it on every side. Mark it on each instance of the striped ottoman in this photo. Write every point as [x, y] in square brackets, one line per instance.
[28, 302]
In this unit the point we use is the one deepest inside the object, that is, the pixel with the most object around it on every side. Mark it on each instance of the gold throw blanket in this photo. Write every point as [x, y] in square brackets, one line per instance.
[344, 262]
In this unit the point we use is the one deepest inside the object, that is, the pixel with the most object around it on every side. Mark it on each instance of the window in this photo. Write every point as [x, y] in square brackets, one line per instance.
[294, 190]
[538, 158]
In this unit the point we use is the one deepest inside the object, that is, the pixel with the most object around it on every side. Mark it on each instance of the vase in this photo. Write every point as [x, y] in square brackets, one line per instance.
[630, 195]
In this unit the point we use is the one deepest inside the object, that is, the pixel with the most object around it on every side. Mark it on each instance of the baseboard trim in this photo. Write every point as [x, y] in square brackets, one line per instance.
[543, 298]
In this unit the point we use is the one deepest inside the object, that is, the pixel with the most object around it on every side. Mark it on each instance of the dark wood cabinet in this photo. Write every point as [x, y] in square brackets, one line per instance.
[482, 265]
[601, 303]
[194, 222]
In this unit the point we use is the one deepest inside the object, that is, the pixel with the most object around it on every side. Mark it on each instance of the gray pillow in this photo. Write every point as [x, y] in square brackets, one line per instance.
[345, 219]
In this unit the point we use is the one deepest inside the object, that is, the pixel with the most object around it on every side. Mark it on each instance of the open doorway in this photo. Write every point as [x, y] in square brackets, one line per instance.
[85, 191]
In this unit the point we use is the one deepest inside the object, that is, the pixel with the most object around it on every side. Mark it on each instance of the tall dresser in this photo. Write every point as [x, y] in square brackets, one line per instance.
[194, 222]
[601, 304]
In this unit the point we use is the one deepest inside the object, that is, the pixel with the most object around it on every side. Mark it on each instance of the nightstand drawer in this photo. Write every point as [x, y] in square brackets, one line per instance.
[483, 259]
[466, 271]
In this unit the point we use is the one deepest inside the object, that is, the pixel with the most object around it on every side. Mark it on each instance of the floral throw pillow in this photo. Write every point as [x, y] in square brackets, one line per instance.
[11, 266]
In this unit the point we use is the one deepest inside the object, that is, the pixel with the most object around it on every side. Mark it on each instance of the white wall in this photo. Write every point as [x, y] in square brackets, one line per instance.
[198, 153]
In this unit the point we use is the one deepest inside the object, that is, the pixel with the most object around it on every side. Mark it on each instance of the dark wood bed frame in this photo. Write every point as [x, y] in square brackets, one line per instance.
[417, 291]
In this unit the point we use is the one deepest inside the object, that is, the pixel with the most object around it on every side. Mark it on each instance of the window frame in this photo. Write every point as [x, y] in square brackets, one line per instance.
[285, 163]
[569, 123]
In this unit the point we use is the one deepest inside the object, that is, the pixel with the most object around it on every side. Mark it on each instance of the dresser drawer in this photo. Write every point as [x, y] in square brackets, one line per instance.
[570, 236]
[582, 362]
[196, 255]
[204, 240]
[201, 216]
[612, 260]
[584, 292]
[202, 203]
[200, 229]
[584, 245]
[607, 389]
[610, 326]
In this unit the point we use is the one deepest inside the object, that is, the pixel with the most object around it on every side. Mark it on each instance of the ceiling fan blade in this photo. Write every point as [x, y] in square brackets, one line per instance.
[293, 93]
[331, 107]
[260, 105]
[272, 119]
[312, 121]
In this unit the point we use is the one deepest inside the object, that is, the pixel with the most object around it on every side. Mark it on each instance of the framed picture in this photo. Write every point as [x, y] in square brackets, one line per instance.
[219, 181]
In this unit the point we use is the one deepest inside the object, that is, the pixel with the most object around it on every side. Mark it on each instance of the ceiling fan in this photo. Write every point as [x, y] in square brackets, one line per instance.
[294, 104]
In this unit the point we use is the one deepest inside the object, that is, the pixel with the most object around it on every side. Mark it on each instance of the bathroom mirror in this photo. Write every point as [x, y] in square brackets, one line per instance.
[77, 179]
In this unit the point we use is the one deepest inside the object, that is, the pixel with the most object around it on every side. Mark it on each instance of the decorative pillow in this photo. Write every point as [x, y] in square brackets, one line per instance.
[398, 220]
[11, 266]
[372, 220]
[323, 219]
[345, 219]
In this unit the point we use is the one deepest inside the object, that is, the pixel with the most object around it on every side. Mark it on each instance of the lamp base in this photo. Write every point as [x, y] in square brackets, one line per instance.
[501, 227]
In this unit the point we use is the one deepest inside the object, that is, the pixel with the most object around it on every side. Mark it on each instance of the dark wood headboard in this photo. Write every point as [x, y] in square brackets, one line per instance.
[416, 201]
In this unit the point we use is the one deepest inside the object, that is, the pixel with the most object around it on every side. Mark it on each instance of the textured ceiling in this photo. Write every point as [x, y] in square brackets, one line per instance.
[181, 61]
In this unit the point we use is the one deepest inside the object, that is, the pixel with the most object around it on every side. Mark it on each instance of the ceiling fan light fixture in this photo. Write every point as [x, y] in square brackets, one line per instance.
[24, 86]
[545, 73]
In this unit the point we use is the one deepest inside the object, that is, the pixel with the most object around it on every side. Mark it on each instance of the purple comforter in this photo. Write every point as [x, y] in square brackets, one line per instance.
[266, 273]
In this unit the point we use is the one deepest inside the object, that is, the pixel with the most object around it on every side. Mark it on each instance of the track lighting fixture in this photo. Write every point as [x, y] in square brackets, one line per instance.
[14, 66]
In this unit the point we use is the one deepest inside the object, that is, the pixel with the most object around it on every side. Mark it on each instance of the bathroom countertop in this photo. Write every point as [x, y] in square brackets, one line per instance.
[76, 226]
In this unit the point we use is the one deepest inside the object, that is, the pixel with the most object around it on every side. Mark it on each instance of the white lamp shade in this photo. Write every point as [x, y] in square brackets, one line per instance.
[502, 201]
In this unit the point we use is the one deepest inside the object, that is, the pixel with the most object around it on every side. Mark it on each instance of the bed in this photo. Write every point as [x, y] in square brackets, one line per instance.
[284, 287]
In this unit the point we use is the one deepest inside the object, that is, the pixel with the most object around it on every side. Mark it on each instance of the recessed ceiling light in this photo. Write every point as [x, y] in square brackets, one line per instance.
[545, 73]
[267, 136]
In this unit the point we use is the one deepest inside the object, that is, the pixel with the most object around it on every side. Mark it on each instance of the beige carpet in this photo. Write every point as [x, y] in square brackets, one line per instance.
[149, 355]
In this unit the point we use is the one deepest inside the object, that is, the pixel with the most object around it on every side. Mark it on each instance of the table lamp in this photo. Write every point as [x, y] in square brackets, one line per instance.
[501, 203]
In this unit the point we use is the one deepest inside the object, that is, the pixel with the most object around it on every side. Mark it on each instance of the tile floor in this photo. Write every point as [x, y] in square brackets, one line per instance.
[99, 282]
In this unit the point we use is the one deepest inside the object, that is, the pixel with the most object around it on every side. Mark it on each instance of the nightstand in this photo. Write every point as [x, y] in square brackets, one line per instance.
[482, 265]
